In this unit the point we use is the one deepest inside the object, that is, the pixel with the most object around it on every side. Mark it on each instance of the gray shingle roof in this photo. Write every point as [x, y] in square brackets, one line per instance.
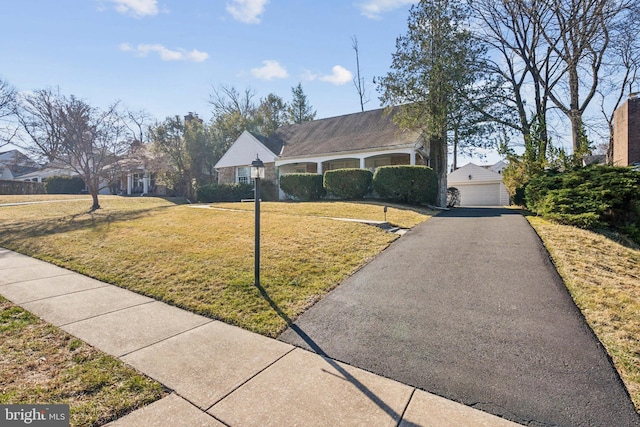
[369, 130]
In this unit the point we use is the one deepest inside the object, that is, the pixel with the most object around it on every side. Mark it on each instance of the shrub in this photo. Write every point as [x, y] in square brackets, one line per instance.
[224, 192]
[21, 187]
[407, 184]
[349, 183]
[64, 185]
[453, 197]
[588, 197]
[302, 186]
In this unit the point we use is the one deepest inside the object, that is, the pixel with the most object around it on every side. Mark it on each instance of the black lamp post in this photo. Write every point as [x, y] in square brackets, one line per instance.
[257, 173]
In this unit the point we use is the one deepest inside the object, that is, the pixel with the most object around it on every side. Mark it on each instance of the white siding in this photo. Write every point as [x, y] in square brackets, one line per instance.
[478, 186]
[244, 151]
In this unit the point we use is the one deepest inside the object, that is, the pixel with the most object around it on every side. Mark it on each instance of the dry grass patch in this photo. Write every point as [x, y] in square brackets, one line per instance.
[202, 259]
[397, 215]
[42, 197]
[42, 364]
[603, 277]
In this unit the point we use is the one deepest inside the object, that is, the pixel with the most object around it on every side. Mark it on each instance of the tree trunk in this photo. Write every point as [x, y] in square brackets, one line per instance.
[96, 204]
[438, 162]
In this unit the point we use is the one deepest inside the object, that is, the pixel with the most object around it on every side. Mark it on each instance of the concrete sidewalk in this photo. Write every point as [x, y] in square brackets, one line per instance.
[219, 374]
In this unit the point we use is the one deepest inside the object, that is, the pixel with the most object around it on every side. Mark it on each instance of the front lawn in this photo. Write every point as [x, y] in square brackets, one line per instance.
[603, 277]
[202, 259]
[43, 364]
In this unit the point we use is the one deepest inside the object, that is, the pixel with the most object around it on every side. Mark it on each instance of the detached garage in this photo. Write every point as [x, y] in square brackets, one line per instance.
[478, 186]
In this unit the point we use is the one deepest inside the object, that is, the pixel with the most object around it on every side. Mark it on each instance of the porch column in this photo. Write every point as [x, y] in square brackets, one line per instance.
[145, 183]
[362, 163]
[412, 157]
[319, 168]
[129, 178]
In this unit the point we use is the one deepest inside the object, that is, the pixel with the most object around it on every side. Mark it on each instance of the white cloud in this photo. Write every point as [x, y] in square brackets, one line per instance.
[247, 11]
[137, 8]
[339, 76]
[270, 70]
[374, 8]
[308, 75]
[165, 54]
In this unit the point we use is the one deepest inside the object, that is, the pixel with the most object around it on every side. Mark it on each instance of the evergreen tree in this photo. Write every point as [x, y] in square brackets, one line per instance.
[300, 110]
[433, 65]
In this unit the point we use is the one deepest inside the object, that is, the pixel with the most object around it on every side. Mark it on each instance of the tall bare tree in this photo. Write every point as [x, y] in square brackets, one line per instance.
[70, 131]
[358, 81]
[7, 109]
[579, 34]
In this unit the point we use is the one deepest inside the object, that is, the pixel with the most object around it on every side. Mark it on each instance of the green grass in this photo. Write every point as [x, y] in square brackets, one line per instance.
[40, 363]
[202, 259]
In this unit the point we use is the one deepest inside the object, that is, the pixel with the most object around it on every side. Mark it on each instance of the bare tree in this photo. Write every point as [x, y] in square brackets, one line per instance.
[137, 124]
[73, 133]
[358, 81]
[579, 34]
[522, 61]
[7, 109]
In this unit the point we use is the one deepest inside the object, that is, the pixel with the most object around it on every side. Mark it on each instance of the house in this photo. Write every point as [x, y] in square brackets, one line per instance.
[480, 186]
[14, 164]
[361, 140]
[626, 132]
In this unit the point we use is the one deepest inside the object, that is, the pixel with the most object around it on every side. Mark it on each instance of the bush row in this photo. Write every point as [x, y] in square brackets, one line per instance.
[64, 185]
[407, 184]
[590, 197]
[21, 187]
[303, 186]
[224, 192]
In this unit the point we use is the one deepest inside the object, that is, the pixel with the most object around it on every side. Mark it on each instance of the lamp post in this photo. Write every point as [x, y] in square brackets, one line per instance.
[257, 173]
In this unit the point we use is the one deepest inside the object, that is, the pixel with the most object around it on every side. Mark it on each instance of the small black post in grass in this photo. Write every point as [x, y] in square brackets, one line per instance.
[257, 173]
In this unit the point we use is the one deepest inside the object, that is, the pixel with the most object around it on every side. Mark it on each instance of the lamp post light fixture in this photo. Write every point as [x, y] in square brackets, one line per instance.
[257, 173]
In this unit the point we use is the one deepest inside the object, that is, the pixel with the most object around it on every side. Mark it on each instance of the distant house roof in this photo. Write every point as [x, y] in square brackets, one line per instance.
[364, 131]
[473, 174]
[17, 162]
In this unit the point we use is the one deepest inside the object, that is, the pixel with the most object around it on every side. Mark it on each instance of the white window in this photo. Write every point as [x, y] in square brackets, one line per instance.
[243, 175]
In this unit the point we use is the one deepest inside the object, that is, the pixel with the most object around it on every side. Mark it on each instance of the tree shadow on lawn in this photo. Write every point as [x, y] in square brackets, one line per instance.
[81, 221]
[335, 365]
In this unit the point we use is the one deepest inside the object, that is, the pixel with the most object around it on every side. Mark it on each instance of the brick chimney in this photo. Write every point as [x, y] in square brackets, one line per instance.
[626, 132]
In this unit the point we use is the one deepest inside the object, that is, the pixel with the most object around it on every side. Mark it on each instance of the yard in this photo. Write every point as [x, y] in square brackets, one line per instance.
[202, 259]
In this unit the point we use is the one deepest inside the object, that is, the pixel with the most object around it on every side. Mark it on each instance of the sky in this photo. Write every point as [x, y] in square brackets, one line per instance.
[167, 56]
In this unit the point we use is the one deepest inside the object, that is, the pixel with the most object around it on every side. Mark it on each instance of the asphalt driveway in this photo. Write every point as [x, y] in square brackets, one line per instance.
[468, 306]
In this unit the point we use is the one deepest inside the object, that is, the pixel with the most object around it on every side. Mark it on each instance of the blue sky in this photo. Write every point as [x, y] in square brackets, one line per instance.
[165, 56]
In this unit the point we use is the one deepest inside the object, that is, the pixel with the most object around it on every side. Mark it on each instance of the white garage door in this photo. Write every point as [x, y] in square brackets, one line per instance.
[479, 195]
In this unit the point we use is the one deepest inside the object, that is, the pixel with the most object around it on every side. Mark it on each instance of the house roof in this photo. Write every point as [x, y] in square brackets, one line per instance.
[368, 130]
[473, 174]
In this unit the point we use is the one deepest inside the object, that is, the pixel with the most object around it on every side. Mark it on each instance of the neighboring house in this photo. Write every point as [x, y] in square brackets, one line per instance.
[48, 171]
[479, 186]
[137, 173]
[361, 140]
[626, 132]
[14, 164]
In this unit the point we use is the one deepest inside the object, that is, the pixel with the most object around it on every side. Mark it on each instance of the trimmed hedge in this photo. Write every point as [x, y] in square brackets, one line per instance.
[302, 186]
[224, 192]
[64, 185]
[406, 184]
[21, 187]
[590, 197]
[348, 183]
